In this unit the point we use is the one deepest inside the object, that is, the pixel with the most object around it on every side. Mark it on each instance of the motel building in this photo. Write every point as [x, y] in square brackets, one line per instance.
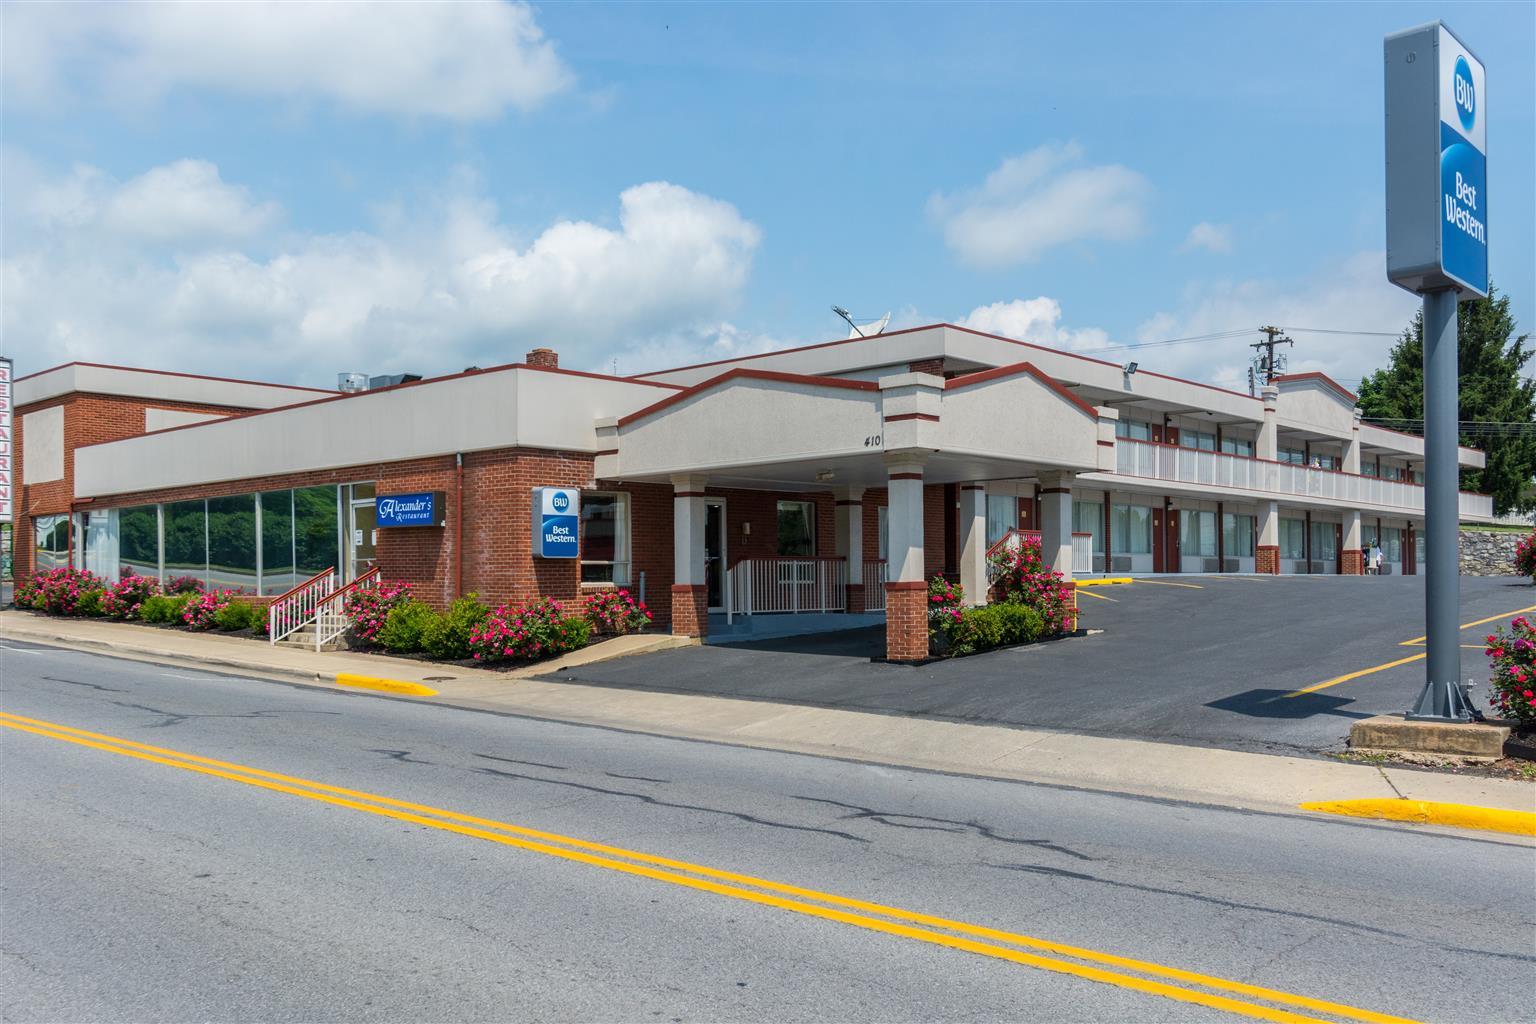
[810, 488]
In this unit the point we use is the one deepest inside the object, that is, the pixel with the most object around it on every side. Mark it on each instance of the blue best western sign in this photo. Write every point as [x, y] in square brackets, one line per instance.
[1437, 163]
[556, 522]
[425, 508]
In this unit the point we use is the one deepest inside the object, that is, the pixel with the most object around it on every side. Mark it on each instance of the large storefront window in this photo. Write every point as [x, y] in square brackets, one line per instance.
[1199, 534]
[1002, 516]
[98, 543]
[277, 575]
[605, 538]
[1237, 535]
[138, 540]
[51, 542]
[186, 540]
[232, 543]
[316, 530]
[797, 535]
[1131, 530]
[1293, 538]
[1325, 546]
[1088, 517]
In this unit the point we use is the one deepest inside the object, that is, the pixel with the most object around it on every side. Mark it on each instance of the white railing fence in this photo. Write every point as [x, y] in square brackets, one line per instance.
[297, 607]
[331, 619]
[875, 570]
[1198, 466]
[764, 586]
[1082, 552]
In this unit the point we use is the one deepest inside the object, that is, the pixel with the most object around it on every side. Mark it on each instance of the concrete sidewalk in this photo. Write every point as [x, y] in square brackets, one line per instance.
[1197, 774]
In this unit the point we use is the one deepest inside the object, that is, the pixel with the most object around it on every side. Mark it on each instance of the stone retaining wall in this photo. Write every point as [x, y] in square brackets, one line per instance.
[1485, 553]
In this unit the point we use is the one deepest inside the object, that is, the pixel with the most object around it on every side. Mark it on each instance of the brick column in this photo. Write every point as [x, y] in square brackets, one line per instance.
[973, 542]
[906, 593]
[848, 535]
[1267, 552]
[690, 597]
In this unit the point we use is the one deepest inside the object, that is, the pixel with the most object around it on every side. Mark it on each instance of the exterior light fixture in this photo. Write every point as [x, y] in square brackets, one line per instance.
[1131, 367]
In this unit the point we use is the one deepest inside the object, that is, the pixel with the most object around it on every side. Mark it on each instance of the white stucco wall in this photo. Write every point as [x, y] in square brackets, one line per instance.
[160, 419]
[159, 386]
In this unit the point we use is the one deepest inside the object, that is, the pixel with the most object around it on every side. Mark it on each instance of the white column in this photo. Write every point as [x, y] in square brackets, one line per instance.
[1352, 534]
[1056, 521]
[848, 532]
[904, 517]
[1268, 446]
[973, 542]
[1269, 524]
[688, 530]
[1352, 448]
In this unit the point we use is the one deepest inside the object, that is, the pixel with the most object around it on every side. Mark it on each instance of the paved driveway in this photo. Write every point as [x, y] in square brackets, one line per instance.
[1206, 660]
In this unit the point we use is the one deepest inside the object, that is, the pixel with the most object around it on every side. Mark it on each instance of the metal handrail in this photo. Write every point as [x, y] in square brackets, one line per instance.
[331, 618]
[293, 609]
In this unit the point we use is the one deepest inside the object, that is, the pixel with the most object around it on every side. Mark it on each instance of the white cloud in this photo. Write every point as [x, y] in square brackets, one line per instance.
[1205, 235]
[434, 291]
[1349, 295]
[1038, 201]
[468, 60]
[1037, 320]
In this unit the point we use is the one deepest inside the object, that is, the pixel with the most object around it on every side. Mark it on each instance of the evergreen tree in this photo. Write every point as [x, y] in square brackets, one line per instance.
[1493, 391]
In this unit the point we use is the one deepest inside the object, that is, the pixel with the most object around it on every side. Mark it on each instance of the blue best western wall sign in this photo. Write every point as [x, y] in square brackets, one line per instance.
[425, 508]
[1437, 163]
[556, 522]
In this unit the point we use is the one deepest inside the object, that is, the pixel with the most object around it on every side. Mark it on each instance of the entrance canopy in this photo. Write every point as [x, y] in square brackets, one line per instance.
[762, 429]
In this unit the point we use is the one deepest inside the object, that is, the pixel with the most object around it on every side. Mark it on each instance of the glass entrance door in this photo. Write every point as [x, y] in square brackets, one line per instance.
[714, 554]
[361, 554]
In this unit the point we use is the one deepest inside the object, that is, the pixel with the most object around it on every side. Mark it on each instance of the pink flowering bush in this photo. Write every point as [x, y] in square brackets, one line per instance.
[202, 610]
[1022, 577]
[183, 585]
[62, 591]
[1525, 557]
[616, 612]
[1512, 656]
[125, 598]
[369, 609]
[528, 633]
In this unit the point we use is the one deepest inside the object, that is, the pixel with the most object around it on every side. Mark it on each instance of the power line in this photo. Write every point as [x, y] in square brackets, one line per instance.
[1361, 334]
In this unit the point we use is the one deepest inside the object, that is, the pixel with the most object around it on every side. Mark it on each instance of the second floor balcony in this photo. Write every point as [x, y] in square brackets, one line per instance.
[1279, 481]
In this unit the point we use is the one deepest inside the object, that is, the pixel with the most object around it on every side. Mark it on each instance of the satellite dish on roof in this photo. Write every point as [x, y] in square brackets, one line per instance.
[868, 330]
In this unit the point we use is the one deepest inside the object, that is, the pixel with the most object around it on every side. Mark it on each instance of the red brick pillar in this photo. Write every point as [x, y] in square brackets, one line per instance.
[906, 621]
[690, 610]
[855, 599]
[1267, 559]
[1353, 563]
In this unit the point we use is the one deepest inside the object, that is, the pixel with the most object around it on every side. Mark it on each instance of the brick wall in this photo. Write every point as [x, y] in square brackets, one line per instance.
[906, 621]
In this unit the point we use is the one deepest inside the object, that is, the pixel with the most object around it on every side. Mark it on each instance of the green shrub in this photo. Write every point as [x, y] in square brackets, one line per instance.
[405, 626]
[238, 615]
[164, 608]
[447, 635]
[995, 625]
[90, 602]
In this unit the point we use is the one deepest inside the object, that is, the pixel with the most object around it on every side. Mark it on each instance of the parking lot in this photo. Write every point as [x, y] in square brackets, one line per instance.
[1206, 660]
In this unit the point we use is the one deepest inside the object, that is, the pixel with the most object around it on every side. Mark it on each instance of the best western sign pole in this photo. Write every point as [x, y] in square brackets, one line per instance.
[1437, 247]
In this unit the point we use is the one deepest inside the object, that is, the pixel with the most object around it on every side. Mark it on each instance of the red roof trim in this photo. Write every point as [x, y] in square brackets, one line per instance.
[1315, 375]
[743, 374]
[177, 373]
[395, 387]
[982, 376]
[953, 327]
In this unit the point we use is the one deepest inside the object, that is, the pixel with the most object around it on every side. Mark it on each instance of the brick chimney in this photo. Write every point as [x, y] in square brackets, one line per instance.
[546, 357]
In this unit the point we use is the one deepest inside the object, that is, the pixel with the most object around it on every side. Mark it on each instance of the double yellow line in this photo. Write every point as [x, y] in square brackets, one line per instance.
[1122, 972]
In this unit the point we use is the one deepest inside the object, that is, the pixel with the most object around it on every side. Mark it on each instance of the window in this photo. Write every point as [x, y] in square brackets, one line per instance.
[1131, 530]
[1002, 516]
[1134, 430]
[1325, 546]
[277, 575]
[186, 540]
[1199, 530]
[882, 524]
[605, 538]
[1391, 544]
[232, 543]
[1237, 535]
[1088, 517]
[1293, 538]
[1391, 472]
[1295, 456]
[1237, 446]
[316, 531]
[98, 543]
[1369, 469]
[50, 538]
[1197, 439]
[1321, 461]
[797, 535]
[138, 540]
[1418, 476]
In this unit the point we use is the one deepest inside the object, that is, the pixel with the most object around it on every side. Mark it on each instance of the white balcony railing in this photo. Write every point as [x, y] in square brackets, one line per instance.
[874, 584]
[1218, 469]
[761, 586]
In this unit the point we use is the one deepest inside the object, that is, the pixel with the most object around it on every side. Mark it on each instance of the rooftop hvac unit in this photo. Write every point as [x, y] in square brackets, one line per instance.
[351, 382]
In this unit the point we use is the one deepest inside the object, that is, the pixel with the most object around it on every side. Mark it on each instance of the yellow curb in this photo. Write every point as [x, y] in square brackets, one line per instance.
[1102, 581]
[1427, 812]
[387, 685]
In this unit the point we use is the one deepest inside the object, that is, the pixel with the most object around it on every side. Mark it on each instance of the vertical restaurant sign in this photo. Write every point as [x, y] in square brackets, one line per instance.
[556, 522]
[7, 450]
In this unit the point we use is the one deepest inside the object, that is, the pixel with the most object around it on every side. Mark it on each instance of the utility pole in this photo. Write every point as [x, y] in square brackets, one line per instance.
[1266, 360]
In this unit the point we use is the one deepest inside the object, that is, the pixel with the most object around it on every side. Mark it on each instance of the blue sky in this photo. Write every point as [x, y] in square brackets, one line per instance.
[287, 192]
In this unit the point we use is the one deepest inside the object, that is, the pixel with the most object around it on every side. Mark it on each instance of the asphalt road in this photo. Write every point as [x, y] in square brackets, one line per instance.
[1195, 660]
[157, 888]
